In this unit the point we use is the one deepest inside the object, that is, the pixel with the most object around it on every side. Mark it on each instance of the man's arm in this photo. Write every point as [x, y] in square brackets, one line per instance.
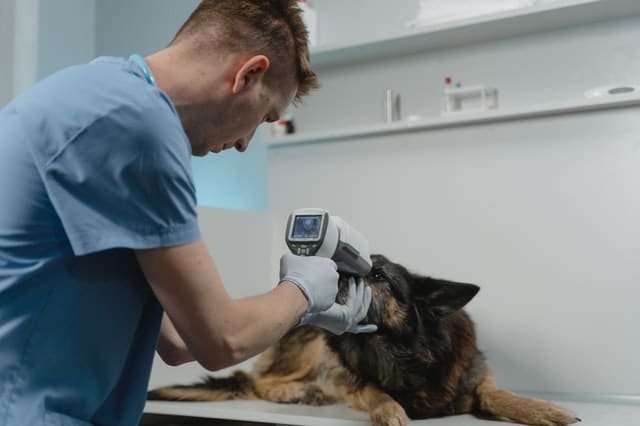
[218, 330]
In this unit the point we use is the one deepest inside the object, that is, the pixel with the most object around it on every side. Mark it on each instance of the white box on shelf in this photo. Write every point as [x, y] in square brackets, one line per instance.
[469, 99]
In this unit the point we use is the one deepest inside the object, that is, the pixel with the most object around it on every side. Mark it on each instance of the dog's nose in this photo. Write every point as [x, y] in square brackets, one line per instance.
[343, 289]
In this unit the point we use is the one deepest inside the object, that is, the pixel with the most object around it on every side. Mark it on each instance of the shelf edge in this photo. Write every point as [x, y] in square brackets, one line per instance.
[459, 120]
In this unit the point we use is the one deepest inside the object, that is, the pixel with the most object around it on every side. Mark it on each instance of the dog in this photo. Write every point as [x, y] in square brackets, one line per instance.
[422, 362]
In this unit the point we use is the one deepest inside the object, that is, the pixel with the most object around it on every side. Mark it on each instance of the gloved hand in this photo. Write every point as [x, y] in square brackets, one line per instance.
[345, 318]
[317, 278]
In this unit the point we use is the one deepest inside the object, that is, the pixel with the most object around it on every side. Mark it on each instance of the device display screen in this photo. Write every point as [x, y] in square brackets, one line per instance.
[307, 227]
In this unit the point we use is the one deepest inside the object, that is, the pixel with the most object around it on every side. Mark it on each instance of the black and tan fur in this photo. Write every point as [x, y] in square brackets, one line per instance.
[422, 362]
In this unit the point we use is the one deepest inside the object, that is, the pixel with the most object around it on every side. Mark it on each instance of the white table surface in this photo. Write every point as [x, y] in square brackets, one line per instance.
[592, 414]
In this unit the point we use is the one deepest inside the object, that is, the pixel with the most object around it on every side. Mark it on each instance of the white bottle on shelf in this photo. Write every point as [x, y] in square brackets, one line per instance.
[310, 18]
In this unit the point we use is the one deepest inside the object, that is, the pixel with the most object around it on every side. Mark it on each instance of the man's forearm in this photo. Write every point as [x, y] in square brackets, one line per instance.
[218, 330]
[255, 326]
[258, 323]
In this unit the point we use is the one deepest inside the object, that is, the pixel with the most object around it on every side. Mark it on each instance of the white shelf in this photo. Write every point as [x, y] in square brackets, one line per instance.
[461, 119]
[592, 414]
[536, 19]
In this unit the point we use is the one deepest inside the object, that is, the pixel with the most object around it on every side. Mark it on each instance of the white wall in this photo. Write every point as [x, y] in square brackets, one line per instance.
[67, 34]
[142, 26]
[345, 22]
[39, 37]
[541, 213]
[7, 40]
[19, 46]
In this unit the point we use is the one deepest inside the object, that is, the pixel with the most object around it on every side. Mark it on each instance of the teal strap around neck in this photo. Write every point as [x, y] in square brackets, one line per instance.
[148, 75]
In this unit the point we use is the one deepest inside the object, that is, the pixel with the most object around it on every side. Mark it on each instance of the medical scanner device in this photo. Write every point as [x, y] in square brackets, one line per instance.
[315, 232]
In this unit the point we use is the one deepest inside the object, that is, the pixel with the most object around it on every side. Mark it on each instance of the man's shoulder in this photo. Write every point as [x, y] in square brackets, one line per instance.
[80, 94]
[107, 100]
[128, 98]
[99, 87]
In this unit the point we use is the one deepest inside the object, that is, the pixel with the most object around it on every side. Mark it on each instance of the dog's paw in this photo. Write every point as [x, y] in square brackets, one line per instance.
[389, 414]
[553, 415]
[314, 395]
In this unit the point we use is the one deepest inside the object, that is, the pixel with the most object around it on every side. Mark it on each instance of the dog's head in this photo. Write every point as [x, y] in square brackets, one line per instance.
[413, 315]
[402, 302]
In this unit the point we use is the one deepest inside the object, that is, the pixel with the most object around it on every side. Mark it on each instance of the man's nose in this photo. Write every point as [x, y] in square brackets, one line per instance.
[242, 144]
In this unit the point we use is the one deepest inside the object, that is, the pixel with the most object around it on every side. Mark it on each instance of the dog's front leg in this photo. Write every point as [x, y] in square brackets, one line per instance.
[383, 410]
[284, 390]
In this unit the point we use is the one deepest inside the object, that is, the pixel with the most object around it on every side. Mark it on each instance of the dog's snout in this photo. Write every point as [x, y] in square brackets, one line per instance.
[343, 287]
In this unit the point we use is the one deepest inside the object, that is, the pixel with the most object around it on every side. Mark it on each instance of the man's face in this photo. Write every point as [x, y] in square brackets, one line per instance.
[235, 125]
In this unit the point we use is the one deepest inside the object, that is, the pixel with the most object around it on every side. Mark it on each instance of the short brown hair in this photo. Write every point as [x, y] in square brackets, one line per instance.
[271, 27]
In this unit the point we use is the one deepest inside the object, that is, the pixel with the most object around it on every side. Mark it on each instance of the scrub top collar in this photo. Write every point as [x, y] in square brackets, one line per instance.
[148, 75]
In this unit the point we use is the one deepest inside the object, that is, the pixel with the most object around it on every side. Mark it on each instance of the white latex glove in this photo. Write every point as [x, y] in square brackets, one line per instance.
[339, 318]
[317, 278]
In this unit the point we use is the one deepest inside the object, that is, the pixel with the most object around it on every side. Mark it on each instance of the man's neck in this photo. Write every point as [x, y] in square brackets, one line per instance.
[188, 82]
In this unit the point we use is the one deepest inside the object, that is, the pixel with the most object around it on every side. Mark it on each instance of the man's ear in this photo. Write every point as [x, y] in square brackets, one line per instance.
[441, 297]
[250, 73]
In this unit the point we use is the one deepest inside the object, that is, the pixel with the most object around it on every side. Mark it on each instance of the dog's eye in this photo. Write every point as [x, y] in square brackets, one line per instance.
[378, 275]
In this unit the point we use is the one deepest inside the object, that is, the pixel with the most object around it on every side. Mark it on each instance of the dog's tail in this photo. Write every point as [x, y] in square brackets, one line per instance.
[238, 386]
[507, 406]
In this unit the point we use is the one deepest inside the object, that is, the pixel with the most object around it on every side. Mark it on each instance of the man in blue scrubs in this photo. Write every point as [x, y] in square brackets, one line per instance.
[98, 226]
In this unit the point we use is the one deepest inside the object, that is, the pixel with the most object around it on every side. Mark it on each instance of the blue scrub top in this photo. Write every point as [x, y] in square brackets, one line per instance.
[94, 163]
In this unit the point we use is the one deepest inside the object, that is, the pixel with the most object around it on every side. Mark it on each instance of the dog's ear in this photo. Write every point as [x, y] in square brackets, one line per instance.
[440, 297]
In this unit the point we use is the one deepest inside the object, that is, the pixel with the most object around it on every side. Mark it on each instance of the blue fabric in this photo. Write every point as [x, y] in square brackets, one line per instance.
[93, 164]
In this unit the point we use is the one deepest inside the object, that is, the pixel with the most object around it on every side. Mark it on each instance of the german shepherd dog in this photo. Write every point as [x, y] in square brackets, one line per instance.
[422, 362]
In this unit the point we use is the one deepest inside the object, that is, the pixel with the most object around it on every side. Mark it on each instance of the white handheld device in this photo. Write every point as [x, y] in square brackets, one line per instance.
[314, 232]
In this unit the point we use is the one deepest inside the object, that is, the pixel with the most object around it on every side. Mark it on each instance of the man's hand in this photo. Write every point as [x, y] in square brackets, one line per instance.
[339, 319]
[316, 277]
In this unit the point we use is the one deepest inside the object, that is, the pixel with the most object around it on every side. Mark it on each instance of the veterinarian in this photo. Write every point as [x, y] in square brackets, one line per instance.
[98, 226]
